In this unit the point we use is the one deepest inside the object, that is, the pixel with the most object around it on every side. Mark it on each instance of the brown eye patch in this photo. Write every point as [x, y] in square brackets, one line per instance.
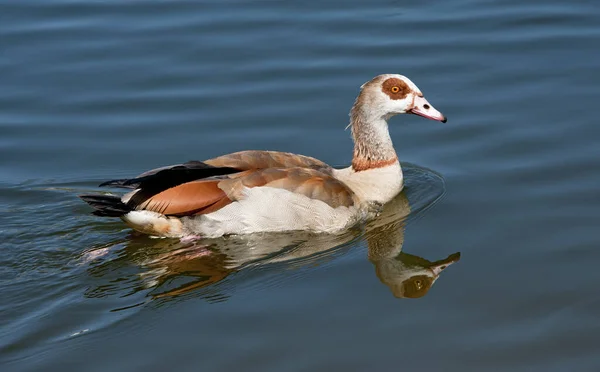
[395, 88]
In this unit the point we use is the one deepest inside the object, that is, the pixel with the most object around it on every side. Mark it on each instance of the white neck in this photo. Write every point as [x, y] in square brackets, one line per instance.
[375, 174]
[373, 146]
[378, 185]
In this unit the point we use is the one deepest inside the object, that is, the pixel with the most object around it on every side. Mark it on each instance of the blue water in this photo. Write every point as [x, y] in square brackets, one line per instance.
[91, 91]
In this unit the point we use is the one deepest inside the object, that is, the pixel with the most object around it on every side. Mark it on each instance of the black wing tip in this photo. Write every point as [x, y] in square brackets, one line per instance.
[126, 183]
[106, 205]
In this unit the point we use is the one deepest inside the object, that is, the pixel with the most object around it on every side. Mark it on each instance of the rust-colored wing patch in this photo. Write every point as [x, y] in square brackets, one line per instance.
[247, 160]
[308, 182]
[197, 197]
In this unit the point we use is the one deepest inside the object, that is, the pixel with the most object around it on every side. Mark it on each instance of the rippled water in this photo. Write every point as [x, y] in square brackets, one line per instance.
[99, 90]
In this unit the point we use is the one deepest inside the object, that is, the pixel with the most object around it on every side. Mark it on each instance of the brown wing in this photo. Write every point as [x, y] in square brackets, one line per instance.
[308, 182]
[206, 196]
[247, 160]
[196, 197]
[252, 159]
[204, 187]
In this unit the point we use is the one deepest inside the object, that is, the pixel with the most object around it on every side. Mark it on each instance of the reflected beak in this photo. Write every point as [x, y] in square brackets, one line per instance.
[423, 108]
[440, 265]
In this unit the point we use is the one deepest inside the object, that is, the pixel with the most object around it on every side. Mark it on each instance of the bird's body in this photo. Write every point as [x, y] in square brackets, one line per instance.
[260, 191]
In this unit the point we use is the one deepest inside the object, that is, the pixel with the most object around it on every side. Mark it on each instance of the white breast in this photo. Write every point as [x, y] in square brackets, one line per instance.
[271, 209]
[373, 185]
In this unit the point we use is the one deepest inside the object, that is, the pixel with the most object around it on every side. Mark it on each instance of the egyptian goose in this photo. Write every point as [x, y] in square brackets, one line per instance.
[259, 191]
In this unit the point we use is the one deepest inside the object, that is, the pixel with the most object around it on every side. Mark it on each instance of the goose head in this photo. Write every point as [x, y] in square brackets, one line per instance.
[410, 276]
[391, 94]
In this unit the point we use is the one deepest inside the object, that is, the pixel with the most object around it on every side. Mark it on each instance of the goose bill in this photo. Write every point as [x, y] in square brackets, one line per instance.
[423, 108]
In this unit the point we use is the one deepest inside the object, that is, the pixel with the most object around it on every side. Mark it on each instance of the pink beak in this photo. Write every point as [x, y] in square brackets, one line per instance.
[422, 108]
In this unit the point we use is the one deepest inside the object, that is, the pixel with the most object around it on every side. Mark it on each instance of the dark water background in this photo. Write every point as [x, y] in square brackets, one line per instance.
[94, 90]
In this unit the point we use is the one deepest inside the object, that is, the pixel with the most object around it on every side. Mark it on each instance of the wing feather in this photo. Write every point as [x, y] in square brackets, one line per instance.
[311, 183]
[254, 159]
[204, 187]
[196, 197]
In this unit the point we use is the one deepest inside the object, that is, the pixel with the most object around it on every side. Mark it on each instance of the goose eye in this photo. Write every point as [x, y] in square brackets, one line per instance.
[395, 89]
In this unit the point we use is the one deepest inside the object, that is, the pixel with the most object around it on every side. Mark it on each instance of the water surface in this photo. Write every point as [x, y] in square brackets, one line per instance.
[100, 90]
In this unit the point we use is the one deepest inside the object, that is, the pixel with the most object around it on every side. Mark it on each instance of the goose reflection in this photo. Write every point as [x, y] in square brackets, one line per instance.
[407, 275]
[172, 268]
